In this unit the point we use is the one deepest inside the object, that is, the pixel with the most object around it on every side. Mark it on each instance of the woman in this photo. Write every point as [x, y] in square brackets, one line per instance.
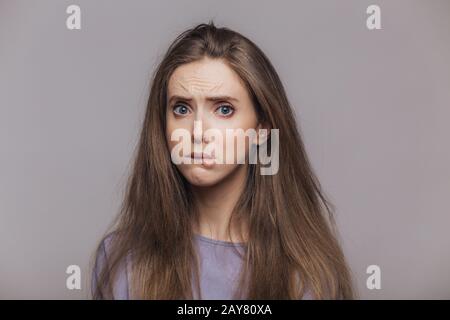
[216, 230]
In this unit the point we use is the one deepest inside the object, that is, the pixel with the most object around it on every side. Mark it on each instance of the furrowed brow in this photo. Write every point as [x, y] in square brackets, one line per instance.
[220, 98]
[212, 98]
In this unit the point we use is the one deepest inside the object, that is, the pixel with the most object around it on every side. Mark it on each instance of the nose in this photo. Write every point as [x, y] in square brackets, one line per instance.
[200, 125]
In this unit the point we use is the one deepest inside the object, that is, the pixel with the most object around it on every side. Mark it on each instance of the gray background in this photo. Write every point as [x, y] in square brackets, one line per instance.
[373, 107]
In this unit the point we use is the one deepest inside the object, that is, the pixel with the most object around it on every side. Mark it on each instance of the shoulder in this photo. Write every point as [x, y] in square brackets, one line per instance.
[102, 253]
[102, 264]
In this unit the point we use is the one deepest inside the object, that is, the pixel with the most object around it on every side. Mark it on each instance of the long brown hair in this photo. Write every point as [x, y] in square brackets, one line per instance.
[292, 244]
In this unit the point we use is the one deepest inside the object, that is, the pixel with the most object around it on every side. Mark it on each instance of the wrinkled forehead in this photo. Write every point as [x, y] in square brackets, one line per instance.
[205, 77]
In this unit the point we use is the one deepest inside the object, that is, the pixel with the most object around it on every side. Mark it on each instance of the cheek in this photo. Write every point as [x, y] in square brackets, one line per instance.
[173, 125]
[169, 128]
[239, 144]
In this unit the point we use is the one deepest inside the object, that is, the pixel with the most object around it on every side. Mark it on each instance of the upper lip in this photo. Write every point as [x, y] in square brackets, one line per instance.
[201, 155]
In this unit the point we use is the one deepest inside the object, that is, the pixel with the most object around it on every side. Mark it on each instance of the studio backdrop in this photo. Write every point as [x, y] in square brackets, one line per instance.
[369, 82]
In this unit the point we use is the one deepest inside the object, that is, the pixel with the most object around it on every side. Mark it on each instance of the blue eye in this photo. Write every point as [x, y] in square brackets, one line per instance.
[180, 109]
[226, 110]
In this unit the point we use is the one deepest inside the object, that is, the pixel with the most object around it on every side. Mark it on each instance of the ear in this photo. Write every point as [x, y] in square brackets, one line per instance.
[262, 133]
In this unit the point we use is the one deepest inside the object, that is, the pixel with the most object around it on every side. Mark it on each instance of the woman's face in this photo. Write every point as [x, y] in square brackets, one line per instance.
[203, 95]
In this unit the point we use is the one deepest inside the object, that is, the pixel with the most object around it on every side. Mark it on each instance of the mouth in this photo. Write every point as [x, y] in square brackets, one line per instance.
[201, 155]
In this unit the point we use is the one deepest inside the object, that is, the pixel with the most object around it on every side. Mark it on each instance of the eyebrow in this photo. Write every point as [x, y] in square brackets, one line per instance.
[212, 98]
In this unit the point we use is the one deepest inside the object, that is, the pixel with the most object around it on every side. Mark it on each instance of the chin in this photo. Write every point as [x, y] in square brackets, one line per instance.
[199, 176]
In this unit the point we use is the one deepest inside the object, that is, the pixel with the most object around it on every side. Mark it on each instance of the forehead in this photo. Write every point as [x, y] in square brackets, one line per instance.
[205, 76]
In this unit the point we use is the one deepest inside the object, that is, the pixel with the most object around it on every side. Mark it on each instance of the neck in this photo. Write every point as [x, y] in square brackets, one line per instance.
[216, 203]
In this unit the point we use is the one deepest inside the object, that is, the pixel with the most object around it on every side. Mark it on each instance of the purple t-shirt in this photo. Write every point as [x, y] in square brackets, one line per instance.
[220, 266]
